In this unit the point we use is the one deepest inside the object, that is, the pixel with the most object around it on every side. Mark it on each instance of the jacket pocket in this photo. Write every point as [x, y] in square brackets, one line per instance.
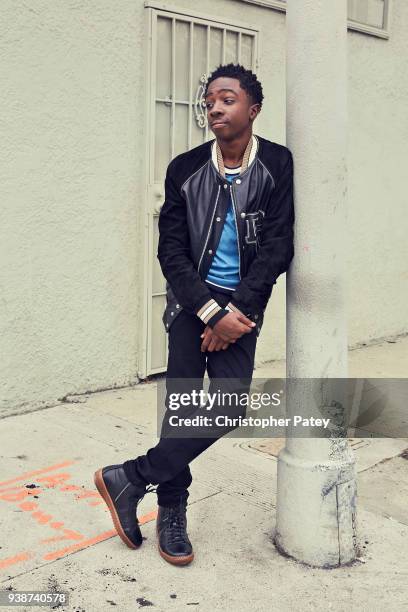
[170, 315]
[172, 310]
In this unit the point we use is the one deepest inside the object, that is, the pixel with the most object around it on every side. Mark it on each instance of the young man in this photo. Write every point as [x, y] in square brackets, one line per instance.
[226, 234]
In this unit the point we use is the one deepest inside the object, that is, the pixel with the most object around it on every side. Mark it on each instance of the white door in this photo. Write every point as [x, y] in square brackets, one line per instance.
[184, 49]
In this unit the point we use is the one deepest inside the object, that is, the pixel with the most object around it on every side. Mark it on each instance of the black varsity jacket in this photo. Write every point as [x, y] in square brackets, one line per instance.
[191, 222]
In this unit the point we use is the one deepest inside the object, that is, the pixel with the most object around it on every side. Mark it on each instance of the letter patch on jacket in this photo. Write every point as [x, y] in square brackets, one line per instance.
[253, 226]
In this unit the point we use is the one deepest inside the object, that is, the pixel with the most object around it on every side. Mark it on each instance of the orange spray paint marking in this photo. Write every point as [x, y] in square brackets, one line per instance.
[54, 480]
[69, 535]
[65, 551]
[27, 475]
[31, 490]
[19, 495]
[73, 535]
[88, 494]
[16, 559]
[53, 539]
[28, 506]
[56, 525]
[148, 517]
[95, 540]
[41, 518]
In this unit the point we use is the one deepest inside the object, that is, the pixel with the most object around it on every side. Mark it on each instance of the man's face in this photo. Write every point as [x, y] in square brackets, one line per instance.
[229, 108]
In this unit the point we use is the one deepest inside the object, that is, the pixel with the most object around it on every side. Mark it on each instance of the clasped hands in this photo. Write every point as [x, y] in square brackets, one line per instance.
[225, 332]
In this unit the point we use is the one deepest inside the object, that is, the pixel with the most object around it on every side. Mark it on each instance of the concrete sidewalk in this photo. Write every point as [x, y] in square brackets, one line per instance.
[57, 534]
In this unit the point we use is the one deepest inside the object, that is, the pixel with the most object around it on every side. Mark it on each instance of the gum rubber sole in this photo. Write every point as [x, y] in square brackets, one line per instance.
[100, 485]
[174, 560]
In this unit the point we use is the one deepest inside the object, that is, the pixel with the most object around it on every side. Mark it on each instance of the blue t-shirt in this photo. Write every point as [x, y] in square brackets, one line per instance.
[224, 271]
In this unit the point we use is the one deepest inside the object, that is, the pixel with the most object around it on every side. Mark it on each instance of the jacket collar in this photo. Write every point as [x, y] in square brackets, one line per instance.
[254, 151]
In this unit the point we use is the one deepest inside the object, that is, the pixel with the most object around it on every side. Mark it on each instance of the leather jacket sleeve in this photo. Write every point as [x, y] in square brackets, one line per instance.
[275, 250]
[175, 259]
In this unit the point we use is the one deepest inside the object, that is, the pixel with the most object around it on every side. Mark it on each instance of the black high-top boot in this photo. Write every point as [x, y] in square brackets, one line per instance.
[122, 498]
[174, 545]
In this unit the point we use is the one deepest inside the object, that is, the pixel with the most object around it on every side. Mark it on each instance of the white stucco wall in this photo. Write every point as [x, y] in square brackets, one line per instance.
[72, 186]
[72, 91]
[378, 197]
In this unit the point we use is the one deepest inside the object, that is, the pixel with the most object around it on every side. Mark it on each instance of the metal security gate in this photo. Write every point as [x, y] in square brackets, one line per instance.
[183, 50]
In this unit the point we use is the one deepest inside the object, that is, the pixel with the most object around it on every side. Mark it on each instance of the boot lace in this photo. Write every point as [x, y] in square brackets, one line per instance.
[176, 522]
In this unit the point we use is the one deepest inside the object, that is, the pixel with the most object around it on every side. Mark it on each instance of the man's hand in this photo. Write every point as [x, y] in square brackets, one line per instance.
[212, 342]
[233, 326]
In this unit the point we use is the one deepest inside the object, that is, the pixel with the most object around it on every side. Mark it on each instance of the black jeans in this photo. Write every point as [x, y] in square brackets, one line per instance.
[167, 464]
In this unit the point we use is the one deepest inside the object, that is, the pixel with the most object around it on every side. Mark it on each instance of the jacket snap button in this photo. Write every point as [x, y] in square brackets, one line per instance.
[218, 219]
[238, 181]
[172, 313]
[243, 215]
[210, 252]
[225, 185]
[177, 305]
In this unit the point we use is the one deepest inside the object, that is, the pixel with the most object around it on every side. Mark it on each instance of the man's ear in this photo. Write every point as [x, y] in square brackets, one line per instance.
[254, 111]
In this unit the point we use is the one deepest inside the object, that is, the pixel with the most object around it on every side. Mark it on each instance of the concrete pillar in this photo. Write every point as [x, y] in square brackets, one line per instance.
[316, 510]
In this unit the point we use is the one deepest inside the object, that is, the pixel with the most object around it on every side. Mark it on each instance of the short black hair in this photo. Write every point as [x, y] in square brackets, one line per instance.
[247, 79]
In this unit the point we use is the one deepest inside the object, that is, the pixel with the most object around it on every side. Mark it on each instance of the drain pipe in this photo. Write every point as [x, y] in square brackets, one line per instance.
[316, 504]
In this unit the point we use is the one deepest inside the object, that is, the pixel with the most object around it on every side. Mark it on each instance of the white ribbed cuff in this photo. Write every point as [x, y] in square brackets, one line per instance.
[208, 310]
[232, 308]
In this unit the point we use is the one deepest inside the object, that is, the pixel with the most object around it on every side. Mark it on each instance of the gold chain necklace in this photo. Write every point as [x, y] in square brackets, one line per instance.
[245, 158]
